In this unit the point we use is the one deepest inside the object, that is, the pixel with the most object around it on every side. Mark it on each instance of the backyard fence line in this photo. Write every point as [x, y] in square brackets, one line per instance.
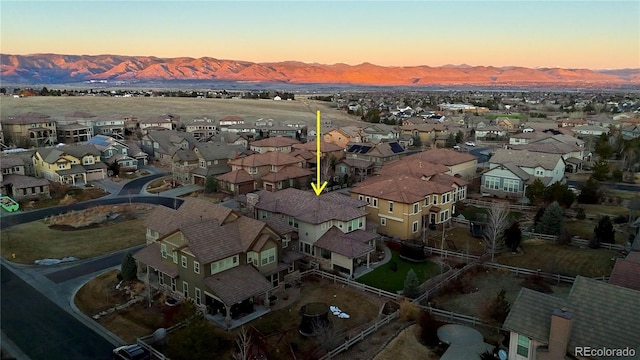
[352, 284]
[486, 204]
[523, 271]
[574, 241]
[360, 336]
[459, 318]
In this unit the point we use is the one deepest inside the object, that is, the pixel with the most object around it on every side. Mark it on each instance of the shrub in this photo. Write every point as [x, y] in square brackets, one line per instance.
[411, 285]
[129, 268]
[413, 252]
[409, 311]
[496, 309]
[581, 214]
[429, 329]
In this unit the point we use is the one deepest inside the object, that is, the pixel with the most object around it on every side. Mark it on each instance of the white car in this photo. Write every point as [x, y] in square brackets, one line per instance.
[456, 147]
[470, 143]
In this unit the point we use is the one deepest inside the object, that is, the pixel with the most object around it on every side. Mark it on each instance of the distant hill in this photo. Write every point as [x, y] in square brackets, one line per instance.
[66, 69]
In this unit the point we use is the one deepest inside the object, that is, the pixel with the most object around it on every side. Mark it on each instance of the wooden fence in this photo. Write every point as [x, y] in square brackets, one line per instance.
[488, 204]
[452, 317]
[353, 284]
[574, 241]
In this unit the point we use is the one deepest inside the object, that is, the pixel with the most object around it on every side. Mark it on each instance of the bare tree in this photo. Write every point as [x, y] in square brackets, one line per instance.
[243, 344]
[497, 222]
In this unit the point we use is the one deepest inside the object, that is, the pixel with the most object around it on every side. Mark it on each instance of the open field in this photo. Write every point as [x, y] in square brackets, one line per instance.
[386, 279]
[301, 109]
[406, 347]
[35, 240]
[561, 259]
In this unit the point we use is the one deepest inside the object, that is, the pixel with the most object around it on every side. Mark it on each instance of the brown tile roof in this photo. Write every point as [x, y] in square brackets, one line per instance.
[165, 220]
[626, 272]
[151, 255]
[22, 181]
[358, 163]
[303, 154]
[324, 146]
[423, 127]
[235, 177]
[26, 118]
[231, 118]
[289, 256]
[237, 284]
[307, 207]
[276, 141]
[279, 224]
[403, 189]
[442, 156]
[351, 245]
[210, 241]
[412, 167]
[288, 172]
[268, 158]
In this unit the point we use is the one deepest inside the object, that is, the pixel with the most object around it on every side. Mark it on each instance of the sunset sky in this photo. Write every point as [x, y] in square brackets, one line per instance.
[575, 34]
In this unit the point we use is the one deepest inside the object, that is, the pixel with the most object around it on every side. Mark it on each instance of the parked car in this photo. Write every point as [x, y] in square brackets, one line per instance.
[456, 147]
[470, 143]
[131, 352]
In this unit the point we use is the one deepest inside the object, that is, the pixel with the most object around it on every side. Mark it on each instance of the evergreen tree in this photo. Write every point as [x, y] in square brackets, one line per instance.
[411, 285]
[129, 268]
[604, 231]
[498, 309]
[513, 236]
[552, 220]
[459, 137]
[589, 193]
[535, 191]
[417, 141]
[451, 141]
[601, 170]
[211, 185]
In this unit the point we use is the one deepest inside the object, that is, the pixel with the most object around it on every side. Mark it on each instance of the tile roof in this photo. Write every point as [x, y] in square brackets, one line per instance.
[165, 220]
[324, 146]
[210, 241]
[525, 158]
[412, 167]
[303, 154]
[75, 169]
[7, 162]
[307, 207]
[263, 159]
[236, 177]
[237, 284]
[358, 163]
[26, 118]
[152, 256]
[80, 150]
[349, 245]
[168, 139]
[402, 188]
[288, 172]
[276, 141]
[605, 315]
[442, 156]
[22, 181]
[514, 170]
[626, 272]
[219, 150]
[279, 224]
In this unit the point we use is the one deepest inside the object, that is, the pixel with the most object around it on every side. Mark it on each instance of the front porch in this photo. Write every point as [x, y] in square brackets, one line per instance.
[221, 320]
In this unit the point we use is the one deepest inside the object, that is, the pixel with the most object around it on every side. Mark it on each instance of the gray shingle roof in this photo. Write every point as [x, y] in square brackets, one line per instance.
[530, 314]
[350, 245]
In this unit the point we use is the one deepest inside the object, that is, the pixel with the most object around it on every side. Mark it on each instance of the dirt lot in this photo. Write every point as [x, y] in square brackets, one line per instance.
[188, 108]
[485, 286]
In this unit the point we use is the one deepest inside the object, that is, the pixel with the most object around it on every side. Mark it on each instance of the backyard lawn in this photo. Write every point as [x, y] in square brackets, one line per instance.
[383, 277]
[561, 259]
[584, 230]
[458, 239]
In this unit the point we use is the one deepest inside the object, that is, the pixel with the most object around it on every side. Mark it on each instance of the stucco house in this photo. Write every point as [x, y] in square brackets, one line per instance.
[378, 154]
[276, 143]
[227, 263]
[71, 164]
[14, 182]
[459, 164]
[271, 171]
[332, 228]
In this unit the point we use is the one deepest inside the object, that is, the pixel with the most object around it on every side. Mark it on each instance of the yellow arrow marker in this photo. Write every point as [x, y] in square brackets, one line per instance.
[317, 187]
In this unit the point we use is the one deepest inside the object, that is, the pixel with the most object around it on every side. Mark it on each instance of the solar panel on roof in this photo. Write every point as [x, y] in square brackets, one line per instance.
[354, 148]
[396, 148]
[364, 149]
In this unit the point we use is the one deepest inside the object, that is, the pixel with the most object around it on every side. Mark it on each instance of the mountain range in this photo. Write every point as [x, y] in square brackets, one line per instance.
[68, 69]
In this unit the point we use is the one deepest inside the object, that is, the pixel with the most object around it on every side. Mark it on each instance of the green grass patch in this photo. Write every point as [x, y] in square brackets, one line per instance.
[560, 259]
[458, 239]
[495, 116]
[384, 278]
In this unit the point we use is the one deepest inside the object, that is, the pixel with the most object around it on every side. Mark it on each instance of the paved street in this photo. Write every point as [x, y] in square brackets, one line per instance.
[41, 329]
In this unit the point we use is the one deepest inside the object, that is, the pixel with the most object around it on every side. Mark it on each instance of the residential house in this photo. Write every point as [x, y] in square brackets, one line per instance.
[248, 130]
[231, 139]
[160, 122]
[15, 184]
[405, 204]
[507, 123]
[113, 126]
[380, 132]
[73, 133]
[213, 159]
[327, 150]
[569, 122]
[631, 131]
[277, 143]
[71, 164]
[426, 132]
[114, 151]
[225, 262]
[570, 148]
[625, 272]
[343, 136]
[162, 145]
[231, 120]
[354, 169]
[32, 129]
[135, 152]
[527, 137]
[378, 154]
[271, 171]
[491, 132]
[510, 171]
[590, 130]
[280, 130]
[459, 164]
[332, 228]
[203, 129]
[595, 316]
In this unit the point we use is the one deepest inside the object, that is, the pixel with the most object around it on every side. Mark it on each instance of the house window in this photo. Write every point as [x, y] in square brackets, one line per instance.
[196, 267]
[268, 256]
[444, 216]
[198, 296]
[285, 242]
[292, 268]
[183, 260]
[383, 221]
[175, 257]
[307, 248]
[374, 202]
[62, 165]
[161, 279]
[163, 250]
[491, 182]
[427, 201]
[523, 346]
[274, 168]
[253, 170]
[511, 185]
[323, 226]
[415, 227]
[360, 197]
[185, 289]
[275, 279]
[368, 200]
[173, 284]
[390, 206]
[416, 206]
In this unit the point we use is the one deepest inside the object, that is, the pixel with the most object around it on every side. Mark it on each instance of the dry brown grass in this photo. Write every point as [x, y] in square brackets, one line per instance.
[408, 311]
[97, 294]
[406, 347]
[35, 240]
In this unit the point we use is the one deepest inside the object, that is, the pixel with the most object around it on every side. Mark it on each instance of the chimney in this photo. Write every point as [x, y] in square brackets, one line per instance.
[560, 333]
